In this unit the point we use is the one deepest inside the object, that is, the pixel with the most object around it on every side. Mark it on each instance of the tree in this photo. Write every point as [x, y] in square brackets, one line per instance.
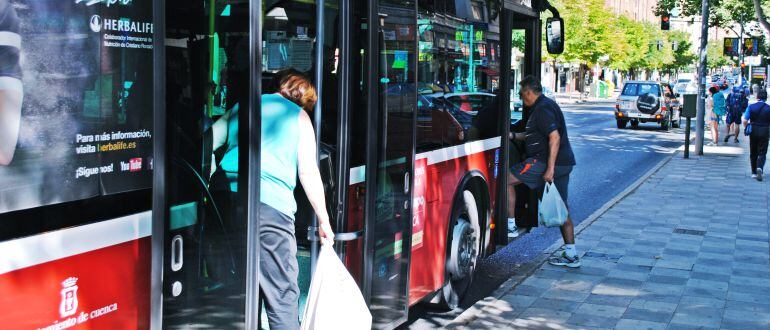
[589, 32]
[682, 56]
[715, 57]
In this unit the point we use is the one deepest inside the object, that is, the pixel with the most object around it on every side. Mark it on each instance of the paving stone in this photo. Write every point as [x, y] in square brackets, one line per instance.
[630, 275]
[592, 321]
[661, 288]
[611, 290]
[527, 290]
[542, 316]
[601, 299]
[518, 302]
[637, 261]
[629, 324]
[735, 317]
[721, 269]
[537, 282]
[749, 266]
[656, 306]
[702, 302]
[706, 284]
[601, 310]
[748, 297]
[648, 315]
[751, 289]
[555, 304]
[674, 264]
[550, 274]
[670, 272]
[576, 296]
[664, 279]
[697, 316]
[710, 276]
[759, 281]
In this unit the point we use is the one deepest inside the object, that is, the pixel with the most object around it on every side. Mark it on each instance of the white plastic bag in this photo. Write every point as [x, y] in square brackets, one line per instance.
[334, 300]
[551, 211]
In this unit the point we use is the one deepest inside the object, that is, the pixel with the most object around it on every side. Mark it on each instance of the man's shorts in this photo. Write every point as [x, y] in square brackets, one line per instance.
[734, 117]
[530, 172]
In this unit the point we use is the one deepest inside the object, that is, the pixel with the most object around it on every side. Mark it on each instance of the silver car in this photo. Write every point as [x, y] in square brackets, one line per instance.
[642, 102]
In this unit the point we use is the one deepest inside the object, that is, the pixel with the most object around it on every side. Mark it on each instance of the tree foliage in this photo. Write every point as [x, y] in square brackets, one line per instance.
[595, 35]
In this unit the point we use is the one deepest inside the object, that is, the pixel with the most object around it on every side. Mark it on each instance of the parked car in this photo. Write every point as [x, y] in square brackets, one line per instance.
[516, 104]
[644, 101]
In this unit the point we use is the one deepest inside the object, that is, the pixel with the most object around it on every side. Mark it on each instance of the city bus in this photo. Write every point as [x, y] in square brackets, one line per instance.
[138, 222]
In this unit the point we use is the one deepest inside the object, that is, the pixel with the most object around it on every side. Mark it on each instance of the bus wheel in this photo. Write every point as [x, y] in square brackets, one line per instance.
[463, 254]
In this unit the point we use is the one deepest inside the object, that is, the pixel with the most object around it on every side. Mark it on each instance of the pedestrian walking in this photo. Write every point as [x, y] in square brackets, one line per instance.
[715, 109]
[756, 121]
[737, 102]
[549, 159]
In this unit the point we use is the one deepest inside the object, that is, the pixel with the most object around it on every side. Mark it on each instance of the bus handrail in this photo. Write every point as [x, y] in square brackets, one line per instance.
[312, 235]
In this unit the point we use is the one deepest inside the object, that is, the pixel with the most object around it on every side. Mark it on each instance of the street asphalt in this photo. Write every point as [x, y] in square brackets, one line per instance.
[608, 161]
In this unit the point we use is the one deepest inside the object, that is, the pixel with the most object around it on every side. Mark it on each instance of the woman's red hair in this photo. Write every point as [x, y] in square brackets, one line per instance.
[296, 87]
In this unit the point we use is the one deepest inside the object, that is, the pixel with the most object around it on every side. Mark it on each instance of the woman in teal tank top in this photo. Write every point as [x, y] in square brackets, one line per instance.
[288, 151]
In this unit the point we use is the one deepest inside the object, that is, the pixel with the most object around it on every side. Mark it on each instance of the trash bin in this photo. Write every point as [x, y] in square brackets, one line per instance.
[602, 91]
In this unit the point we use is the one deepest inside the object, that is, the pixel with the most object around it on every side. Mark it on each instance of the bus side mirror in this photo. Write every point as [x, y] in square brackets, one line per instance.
[554, 35]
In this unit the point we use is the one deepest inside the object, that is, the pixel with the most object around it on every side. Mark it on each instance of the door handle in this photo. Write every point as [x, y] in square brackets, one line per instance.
[407, 183]
[177, 248]
[312, 235]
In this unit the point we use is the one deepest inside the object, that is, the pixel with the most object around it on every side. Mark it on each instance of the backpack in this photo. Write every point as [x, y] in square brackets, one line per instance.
[719, 104]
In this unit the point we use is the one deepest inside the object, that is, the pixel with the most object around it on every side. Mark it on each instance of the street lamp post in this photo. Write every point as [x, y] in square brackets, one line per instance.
[699, 121]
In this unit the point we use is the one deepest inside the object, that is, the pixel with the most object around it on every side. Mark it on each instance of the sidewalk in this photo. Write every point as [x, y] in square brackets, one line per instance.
[688, 249]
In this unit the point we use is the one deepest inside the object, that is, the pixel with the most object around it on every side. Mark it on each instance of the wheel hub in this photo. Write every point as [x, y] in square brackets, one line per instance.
[464, 251]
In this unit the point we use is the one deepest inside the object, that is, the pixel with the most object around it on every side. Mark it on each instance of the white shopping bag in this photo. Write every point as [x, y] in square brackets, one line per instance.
[551, 211]
[334, 300]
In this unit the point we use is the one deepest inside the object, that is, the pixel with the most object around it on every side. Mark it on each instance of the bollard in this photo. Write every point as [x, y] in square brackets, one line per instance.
[688, 111]
[687, 139]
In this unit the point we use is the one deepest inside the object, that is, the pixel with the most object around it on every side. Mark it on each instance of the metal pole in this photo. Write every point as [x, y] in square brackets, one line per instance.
[740, 55]
[319, 75]
[703, 71]
[687, 139]
[159, 164]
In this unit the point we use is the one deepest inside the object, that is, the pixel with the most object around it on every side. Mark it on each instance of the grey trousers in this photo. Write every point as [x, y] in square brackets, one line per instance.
[278, 269]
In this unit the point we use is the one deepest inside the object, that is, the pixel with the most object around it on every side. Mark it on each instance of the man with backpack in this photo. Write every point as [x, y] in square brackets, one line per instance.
[736, 105]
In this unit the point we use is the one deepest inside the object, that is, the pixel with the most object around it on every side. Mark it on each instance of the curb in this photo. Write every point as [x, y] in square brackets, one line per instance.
[470, 314]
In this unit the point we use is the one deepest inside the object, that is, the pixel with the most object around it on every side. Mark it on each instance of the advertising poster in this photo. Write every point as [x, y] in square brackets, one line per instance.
[75, 99]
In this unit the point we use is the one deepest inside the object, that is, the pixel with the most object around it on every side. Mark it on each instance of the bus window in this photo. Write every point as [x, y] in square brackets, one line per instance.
[517, 69]
[458, 81]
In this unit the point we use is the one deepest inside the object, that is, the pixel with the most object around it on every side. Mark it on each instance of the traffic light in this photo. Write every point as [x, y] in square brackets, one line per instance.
[665, 23]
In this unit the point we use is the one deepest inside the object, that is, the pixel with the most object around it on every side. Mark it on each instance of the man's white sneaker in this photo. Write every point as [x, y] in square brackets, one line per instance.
[513, 231]
[759, 174]
[564, 260]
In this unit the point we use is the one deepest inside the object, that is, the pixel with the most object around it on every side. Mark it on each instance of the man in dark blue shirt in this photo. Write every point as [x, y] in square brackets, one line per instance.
[550, 158]
[11, 91]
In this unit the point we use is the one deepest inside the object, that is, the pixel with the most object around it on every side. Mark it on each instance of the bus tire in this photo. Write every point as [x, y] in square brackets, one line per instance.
[465, 244]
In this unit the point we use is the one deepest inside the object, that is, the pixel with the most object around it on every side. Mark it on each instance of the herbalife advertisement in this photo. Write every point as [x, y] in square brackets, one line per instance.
[75, 99]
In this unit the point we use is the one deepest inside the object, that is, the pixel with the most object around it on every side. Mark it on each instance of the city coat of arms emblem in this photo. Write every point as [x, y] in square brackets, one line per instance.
[69, 297]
